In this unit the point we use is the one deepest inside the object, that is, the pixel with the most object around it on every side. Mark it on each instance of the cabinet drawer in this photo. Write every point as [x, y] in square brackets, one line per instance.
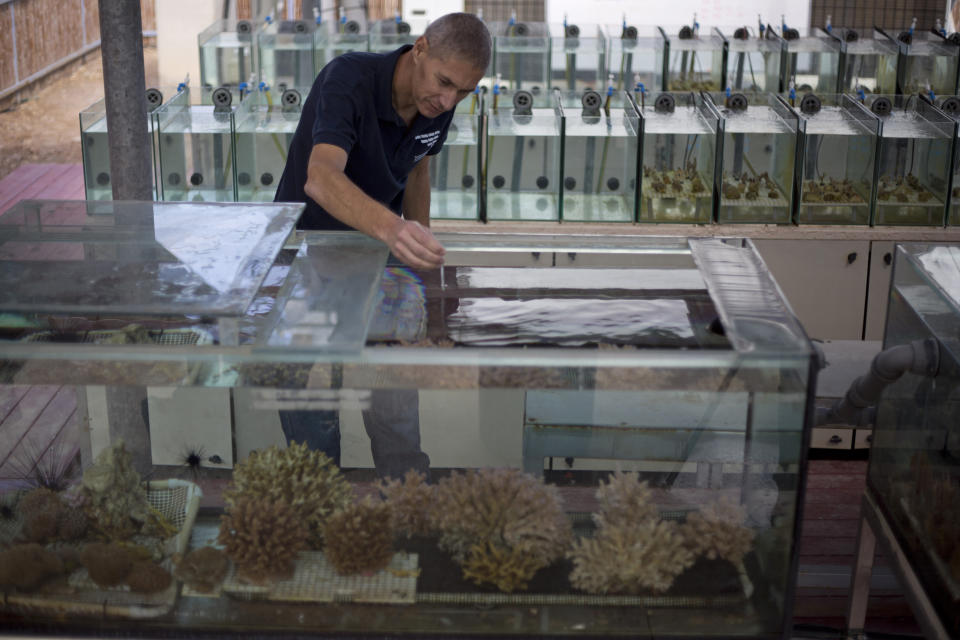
[863, 439]
[823, 438]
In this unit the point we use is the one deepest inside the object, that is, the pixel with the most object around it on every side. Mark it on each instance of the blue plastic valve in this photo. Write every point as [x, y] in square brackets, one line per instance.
[268, 19]
[263, 86]
[181, 87]
[933, 96]
[861, 95]
[793, 93]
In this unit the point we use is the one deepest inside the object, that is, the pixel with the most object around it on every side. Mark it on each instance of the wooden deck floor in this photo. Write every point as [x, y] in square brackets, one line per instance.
[41, 423]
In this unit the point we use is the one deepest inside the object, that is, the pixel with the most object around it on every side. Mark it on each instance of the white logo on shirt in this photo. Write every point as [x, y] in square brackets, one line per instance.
[429, 139]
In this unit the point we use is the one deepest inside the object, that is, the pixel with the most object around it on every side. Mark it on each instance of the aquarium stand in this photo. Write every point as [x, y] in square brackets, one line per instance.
[874, 528]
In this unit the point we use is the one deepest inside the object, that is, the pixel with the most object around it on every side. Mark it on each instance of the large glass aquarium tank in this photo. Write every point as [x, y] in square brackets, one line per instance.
[838, 147]
[600, 156]
[679, 146]
[521, 56]
[694, 59]
[578, 57]
[812, 61]
[226, 54]
[264, 126]
[455, 172]
[913, 475]
[285, 50]
[523, 159]
[758, 145]
[950, 105]
[387, 35]
[339, 36]
[755, 59]
[196, 154]
[916, 142]
[676, 359]
[869, 61]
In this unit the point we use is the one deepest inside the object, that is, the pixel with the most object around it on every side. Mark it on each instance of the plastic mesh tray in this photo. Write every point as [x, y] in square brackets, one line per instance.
[165, 337]
[178, 502]
[315, 580]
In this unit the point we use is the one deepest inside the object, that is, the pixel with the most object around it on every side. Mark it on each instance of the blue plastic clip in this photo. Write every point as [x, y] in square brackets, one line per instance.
[728, 92]
[640, 89]
[263, 86]
[268, 19]
[762, 29]
[318, 19]
[496, 89]
[861, 94]
[343, 19]
[610, 90]
[932, 96]
[181, 87]
[396, 18]
[793, 93]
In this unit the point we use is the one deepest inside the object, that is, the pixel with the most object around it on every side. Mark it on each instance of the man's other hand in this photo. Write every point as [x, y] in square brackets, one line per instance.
[413, 243]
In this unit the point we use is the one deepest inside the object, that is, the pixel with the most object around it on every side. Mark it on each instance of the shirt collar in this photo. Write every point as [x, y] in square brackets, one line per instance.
[384, 98]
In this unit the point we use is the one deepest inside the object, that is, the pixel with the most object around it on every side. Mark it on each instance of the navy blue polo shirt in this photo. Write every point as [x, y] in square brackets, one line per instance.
[351, 106]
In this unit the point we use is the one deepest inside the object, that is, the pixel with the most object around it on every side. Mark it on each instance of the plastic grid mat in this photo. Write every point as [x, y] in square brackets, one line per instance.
[315, 580]
[165, 337]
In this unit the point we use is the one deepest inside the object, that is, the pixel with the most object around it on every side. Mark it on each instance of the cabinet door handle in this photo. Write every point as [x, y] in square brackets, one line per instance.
[851, 257]
[835, 439]
[887, 258]
[869, 438]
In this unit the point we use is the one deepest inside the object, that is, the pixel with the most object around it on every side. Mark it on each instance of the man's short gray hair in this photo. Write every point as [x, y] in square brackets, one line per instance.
[462, 36]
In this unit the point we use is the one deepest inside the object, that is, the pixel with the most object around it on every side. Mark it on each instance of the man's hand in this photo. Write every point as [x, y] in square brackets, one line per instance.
[413, 243]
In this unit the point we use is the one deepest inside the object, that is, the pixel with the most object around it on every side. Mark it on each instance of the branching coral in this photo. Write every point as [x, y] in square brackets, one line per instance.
[507, 569]
[410, 501]
[262, 537]
[308, 481]
[717, 531]
[359, 539]
[647, 555]
[503, 509]
[633, 549]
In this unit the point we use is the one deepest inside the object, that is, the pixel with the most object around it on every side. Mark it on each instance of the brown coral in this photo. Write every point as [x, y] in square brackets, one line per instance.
[308, 481]
[503, 508]
[262, 537]
[27, 566]
[633, 549]
[203, 568]
[507, 569]
[116, 502]
[359, 539]
[410, 501]
[107, 564]
[717, 531]
[148, 577]
[619, 559]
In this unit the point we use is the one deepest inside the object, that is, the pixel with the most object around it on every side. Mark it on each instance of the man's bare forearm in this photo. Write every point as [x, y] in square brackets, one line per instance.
[346, 202]
[416, 195]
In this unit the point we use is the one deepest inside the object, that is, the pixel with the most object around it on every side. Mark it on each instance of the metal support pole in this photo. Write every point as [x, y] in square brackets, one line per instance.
[124, 86]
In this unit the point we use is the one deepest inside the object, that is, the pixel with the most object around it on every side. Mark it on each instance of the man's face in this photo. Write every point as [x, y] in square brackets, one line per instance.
[440, 83]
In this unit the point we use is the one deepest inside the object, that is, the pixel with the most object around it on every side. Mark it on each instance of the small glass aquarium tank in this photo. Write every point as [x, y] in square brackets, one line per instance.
[695, 59]
[455, 172]
[928, 62]
[600, 156]
[336, 37]
[265, 123]
[916, 142]
[950, 105]
[521, 56]
[226, 54]
[196, 155]
[95, 144]
[387, 35]
[578, 57]
[812, 61]
[755, 59]
[838, 147]
[914, 476]
[758, 144]
[635, 56]
[286, 52]
[869, 61]
[679, 149]
[522, 164]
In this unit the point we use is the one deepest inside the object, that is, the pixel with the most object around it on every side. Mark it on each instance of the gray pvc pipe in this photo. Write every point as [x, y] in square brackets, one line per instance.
[920, 357]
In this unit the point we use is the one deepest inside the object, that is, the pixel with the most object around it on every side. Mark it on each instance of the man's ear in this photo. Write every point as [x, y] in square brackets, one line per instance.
[421, 47]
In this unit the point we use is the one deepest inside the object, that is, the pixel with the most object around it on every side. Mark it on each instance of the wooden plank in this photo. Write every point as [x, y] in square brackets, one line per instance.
[41, 431]
[10, 396]
[70, 184]
[148, 15]
[38, 187]
[23, 416]
[52, 32]
[91, 16]
[19, 179]
[831, 511]
[829, 528]
[815, 483]
[7, 76]
[834, 467]
[836, 547]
